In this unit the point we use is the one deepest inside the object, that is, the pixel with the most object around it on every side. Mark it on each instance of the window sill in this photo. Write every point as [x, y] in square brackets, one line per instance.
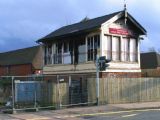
[88, 62]
[127, 62]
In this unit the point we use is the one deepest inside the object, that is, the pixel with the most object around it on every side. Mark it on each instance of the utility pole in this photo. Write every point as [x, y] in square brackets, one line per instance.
[13, 96]
[101, 65]
[97, 80]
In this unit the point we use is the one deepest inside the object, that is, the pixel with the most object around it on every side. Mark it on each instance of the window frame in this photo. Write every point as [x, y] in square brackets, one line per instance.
[92, 48]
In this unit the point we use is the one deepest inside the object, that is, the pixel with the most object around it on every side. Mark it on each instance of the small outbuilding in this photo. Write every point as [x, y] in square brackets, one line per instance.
[21, 62]
[150, 64]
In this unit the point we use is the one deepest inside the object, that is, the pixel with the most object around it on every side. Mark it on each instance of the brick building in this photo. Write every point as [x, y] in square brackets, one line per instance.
[150, 64]
[21, 62]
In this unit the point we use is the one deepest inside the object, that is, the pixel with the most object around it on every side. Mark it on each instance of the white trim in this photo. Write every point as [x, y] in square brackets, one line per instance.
[118, 16]
[86, 47]
[113, 19]
[52, 53]
[62, 53]
[101, 42]
[135, 23]
[43, 54]
[138, 52]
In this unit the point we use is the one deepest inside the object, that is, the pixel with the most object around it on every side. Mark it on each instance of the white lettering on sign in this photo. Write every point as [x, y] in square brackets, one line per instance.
[119, 31]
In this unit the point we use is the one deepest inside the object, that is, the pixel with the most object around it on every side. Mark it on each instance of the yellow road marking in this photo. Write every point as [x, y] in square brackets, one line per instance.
[42, 118]
[107, 113]
[131, 115]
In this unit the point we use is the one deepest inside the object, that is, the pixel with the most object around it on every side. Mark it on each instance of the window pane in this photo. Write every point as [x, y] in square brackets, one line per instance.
[88, 41]
[93, 47]
[133, 50]
[45, 55]
[108, 47]
[92, 50]
[115, 48]
[125, 49]
[66, 47]
[98, 40]
[95, 42]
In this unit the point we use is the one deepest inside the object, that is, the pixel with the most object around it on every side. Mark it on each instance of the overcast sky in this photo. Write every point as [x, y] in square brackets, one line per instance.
[22, 22]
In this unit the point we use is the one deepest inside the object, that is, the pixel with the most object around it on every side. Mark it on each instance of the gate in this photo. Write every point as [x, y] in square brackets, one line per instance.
[73, 90]
[78, 92]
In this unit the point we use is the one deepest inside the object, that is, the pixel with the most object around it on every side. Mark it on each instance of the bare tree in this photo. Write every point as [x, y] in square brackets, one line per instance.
[151, 49]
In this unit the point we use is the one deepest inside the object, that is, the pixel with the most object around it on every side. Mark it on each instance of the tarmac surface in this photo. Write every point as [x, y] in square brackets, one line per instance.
[133, 111]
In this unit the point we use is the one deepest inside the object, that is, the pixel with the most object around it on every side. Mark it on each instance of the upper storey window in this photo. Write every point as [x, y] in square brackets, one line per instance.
[93, 47]
[121, 48]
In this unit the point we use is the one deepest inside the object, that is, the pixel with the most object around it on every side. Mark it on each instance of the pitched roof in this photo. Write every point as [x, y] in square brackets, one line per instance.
[79, 27]
[150, 60]
[20, 56]
[86, 25]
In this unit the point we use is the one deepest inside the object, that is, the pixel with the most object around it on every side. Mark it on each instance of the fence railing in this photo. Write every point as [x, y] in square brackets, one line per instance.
[45, 91]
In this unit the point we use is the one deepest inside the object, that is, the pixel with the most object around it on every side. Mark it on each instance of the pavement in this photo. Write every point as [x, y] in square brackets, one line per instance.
[78, 113]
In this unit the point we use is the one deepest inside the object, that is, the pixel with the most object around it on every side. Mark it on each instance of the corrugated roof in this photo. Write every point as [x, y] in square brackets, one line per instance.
[79, 27]
[21, 56]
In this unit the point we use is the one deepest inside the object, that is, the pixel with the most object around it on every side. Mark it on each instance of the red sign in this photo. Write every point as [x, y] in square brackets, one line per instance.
[118, 31]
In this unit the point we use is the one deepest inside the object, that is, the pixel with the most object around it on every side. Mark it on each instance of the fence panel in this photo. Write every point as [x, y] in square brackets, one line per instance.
[129, 90]
[34, 92]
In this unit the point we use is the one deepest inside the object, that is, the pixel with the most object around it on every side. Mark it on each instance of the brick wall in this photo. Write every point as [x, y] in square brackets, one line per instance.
[3, 71]
[17, 70]
[120, 75]
[151, 72]
[38, 59]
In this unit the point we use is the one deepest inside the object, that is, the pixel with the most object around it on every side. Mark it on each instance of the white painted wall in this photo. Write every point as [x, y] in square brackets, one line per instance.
[124, 65]
[133, 50]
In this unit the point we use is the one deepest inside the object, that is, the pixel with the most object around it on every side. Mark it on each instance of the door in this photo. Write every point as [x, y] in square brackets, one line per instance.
[78, 91]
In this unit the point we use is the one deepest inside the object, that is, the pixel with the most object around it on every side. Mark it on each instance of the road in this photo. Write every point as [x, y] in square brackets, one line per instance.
[139, 115]
[146, 114]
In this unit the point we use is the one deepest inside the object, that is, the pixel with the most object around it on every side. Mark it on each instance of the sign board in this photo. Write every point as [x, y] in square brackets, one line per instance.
[61, 80]
[119, 31]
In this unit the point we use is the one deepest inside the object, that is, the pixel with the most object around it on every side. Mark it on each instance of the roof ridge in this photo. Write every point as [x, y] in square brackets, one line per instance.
[64, 30]
[11, 51]
[91, 19]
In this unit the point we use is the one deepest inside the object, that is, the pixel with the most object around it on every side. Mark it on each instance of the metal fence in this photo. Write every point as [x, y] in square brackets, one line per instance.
[44, 91]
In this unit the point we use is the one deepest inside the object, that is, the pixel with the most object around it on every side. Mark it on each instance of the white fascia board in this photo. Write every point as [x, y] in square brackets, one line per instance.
[118, 16]
[113, 19]
[136, 24]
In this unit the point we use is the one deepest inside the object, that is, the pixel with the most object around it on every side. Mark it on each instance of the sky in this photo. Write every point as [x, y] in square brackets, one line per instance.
[22, 22]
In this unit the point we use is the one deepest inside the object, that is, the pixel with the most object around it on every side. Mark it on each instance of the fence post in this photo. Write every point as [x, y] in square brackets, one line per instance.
[35, 95]
[59, 97]
[13, 96]
[97, 81]
[35, 101]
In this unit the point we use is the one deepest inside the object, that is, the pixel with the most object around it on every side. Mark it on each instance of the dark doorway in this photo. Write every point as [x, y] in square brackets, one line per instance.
[78, 91]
